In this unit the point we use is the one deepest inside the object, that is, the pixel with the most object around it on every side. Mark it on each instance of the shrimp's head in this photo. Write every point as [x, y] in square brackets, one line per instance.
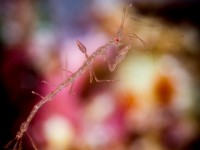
[119, 36]
[117, 41]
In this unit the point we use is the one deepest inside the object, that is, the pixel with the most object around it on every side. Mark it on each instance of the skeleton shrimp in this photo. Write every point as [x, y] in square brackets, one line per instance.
[87, 65]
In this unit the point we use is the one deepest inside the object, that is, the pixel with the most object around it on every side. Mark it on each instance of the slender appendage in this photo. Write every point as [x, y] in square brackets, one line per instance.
[35, 93]
[132, 35]
[10, 143]
[20, 144]
[71, 88]
[63, 69]
[45, 82]
[32, 142]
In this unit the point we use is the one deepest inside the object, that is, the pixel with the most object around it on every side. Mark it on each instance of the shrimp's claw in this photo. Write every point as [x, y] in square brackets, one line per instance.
[81, 47]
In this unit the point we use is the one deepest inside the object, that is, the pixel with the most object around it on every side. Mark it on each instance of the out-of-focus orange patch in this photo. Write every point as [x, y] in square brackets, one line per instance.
[164, 90]
[127, 100]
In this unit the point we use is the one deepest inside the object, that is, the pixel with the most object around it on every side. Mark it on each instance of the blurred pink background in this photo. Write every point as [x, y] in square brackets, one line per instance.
[153, 106]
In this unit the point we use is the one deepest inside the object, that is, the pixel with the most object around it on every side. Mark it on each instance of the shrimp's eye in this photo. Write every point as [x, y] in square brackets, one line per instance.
[116, 40]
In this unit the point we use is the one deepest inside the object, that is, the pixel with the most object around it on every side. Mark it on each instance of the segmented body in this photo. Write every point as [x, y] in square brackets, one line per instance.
[86, 65]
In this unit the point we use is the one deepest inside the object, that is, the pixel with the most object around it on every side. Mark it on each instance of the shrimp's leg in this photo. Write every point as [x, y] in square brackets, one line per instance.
[18, 144]
[10, 143]
[62, 69]
[32, 142]
[71, 88]
[35, 93]
[92, 74]
[91, 71]
[68, 71]
[72, 84]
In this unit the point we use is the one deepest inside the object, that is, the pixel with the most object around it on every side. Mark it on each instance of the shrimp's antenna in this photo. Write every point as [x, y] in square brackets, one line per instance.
[123, 20]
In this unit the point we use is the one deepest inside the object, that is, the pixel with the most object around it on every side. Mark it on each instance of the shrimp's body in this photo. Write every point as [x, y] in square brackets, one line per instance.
[86, 65]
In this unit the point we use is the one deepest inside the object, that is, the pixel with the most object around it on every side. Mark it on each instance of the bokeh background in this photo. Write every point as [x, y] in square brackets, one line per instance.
[153, 106]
